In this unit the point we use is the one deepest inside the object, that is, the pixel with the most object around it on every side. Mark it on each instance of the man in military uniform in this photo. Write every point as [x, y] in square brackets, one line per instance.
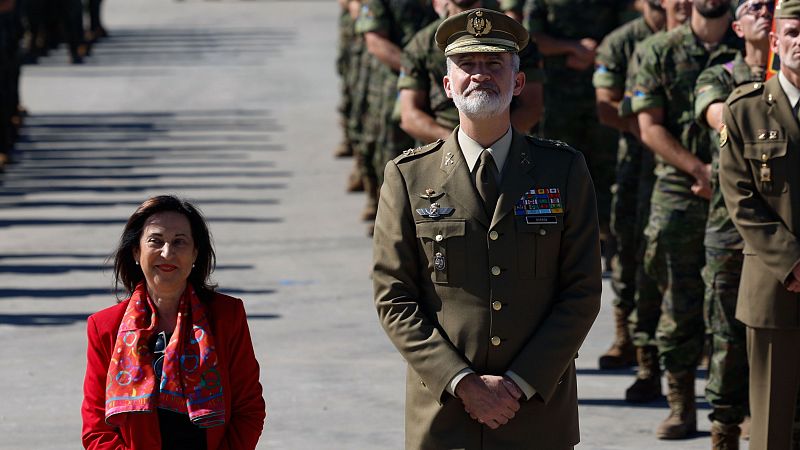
[663, 100]
[611, 66]
[726, 389]
[426, 112]
[758, 177]
[487, 261]
[568, 34]
[644, 319]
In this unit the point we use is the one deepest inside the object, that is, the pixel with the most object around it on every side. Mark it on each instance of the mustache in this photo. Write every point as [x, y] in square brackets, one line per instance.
[484, 86]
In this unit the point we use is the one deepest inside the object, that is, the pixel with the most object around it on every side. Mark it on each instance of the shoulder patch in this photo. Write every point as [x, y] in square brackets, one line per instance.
[551, 143]
[745, 90]
[413, 152]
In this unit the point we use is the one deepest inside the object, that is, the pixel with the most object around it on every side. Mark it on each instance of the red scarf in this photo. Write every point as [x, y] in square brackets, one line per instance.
[190, 381]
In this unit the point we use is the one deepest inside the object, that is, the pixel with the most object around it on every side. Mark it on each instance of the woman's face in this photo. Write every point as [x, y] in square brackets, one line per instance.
[166, 253]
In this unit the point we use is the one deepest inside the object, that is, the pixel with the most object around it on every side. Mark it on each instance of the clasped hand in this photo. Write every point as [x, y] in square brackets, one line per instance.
[491, 400]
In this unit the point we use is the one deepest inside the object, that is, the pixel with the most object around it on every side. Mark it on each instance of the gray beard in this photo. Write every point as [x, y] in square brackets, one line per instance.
[482, 104]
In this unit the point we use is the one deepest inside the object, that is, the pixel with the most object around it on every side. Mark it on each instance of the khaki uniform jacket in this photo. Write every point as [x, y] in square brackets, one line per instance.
[759, 161]
[503, 293]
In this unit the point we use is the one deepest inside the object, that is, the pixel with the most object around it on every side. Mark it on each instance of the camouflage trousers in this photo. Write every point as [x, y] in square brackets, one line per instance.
[634, 290]
[726, 389]
[570, 115]
[674, 258]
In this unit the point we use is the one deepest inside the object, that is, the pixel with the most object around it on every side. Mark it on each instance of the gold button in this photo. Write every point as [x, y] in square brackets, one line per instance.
[495, 270]
[495, 341]
[542, 231]
[439, 238]
[497, 306]
[493, 235]
[756, 85]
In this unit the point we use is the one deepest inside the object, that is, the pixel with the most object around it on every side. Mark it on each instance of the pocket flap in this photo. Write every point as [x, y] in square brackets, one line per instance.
[765, 150]
[444, 228]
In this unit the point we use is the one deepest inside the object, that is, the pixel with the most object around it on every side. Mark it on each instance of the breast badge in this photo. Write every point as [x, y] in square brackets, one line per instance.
[435, 211]
[439, 262]
[540, 201]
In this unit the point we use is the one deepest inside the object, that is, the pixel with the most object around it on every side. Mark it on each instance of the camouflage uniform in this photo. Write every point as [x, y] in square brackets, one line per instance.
[611, 67]
[343, 67]
[674, 257]
[727, 388]
[399, 20]
[570, 112]
[424, 66]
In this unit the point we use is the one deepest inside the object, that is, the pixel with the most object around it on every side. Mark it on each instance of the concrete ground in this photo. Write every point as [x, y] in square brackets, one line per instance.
[230, 104]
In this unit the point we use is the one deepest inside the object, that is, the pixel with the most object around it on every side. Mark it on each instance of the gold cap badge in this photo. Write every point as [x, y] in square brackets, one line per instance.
[478, 25]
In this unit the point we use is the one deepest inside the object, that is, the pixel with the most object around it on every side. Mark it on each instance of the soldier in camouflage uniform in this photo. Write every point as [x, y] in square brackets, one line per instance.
[513, 8]
[663, 100]
[426, 112]
[647, 297]
[387, 26]
[611, 66]
[727, 388]
[568, 34]
[346, 34]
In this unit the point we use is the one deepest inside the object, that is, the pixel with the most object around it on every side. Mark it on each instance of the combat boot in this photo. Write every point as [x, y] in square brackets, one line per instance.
[724, 436]
[371, 208]
[682, 420]
[355, 182]
[647, 387]
[622, 353]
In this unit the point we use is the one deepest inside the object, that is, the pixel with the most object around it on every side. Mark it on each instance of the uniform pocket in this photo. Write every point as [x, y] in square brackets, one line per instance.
[768, 163]
[444, 243]
[538, 247]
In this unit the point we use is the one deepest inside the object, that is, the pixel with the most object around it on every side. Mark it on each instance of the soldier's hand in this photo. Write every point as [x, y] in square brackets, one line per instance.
[702, 182]
[793, 285]
[487, 399]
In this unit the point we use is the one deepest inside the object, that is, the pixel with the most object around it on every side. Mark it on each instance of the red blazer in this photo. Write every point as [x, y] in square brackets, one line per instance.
[245, 410]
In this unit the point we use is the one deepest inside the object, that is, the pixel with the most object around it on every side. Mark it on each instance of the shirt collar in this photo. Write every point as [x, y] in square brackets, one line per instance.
[472, 150]
[791, 91]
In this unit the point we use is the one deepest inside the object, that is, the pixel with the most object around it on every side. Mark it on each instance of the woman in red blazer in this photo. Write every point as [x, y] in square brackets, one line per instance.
[173, 366]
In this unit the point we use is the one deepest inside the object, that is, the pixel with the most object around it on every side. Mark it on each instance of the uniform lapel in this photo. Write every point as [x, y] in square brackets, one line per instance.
[458, 184]
[780, 109]
[517, 176]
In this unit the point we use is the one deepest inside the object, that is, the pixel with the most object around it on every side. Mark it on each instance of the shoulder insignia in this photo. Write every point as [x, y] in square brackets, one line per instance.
[425, 149]
[723, 136]
[745, 90]
[552, 143]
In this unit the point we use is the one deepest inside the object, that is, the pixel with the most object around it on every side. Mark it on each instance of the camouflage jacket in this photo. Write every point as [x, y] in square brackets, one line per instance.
[665, 79]
[714, 85]
[611, 63]
[399, 19]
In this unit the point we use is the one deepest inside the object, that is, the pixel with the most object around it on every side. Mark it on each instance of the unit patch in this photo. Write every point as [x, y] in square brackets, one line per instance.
[539, 201]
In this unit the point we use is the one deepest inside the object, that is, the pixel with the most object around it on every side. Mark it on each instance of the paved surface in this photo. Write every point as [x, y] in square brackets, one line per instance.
[230, 104]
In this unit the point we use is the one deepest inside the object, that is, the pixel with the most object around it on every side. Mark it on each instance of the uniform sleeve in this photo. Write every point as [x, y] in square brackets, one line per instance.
[413, 70]
[648, 91]
[395, 277]
[610, 64]
[548, 353]
[536, 16]
[96, 434]
[763, 231]
[247, 402]
[373, 17]
[709, 89]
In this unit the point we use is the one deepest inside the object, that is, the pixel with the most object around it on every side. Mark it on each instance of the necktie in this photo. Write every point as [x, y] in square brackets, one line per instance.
[486, 182]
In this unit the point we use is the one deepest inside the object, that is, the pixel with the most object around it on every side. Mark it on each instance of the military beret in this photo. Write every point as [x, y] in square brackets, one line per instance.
[481, 31]
[788, 9]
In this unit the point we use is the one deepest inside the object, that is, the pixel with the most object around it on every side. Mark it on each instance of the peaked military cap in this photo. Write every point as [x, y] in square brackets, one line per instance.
[788, 9]
[481, 31]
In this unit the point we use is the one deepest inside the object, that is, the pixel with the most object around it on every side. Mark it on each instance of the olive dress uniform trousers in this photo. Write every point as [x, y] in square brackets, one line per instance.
[774, 381]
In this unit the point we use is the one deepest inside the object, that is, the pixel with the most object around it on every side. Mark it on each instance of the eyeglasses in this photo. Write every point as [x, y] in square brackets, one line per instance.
[158, 352]
[756, 7]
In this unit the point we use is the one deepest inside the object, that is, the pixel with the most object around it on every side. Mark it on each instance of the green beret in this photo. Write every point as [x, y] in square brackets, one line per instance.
[788, 9]
[481, 31]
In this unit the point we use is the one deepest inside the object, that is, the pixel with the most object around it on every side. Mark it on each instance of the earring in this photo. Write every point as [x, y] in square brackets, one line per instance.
[192, 266]
[137, 263]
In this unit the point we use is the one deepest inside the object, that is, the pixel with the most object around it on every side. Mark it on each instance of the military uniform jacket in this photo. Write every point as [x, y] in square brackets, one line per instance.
[518, 291]
[759, 157]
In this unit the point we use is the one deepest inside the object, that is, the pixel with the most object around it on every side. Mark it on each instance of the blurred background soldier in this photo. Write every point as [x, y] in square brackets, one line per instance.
[611, 66]
[727, 376]
[568, 34]
[10, 110]
[647, 297]
[663, 100]
[513, 8]
[96, 29]
[427, 114]
[49, 22]
[387, 26]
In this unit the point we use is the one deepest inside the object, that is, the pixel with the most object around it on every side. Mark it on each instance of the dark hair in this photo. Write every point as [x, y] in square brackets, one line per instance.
[129, 275]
